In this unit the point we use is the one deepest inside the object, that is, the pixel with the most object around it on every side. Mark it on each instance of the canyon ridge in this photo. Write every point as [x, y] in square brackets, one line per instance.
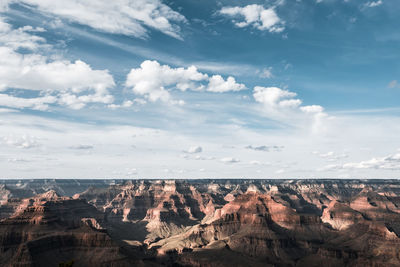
[207, 222]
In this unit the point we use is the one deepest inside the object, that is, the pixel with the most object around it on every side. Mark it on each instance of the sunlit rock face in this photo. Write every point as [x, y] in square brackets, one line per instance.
[200, 222]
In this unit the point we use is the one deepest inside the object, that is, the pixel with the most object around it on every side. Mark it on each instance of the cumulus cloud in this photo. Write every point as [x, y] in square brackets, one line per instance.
[37, 103]
[194, 150]
[391, 162]
[263, 19]
[283, 105]
[153, 81]
[312, 109]
[128, 17]
[124, 104]
[217, 84]
[79, 101]
[276, 99]
[35, 72]
[20, 37]
[60, 81]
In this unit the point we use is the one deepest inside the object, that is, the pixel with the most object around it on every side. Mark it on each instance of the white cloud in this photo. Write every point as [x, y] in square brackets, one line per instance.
[153, 81]
[128, 17]
[256, 16]
[7, 110]
[312, 109]
[24, 141]
[155, 149]
[194, 150]
[229, 160]
[265, 73]
[37, 103]
[374, 3]
[274, 97]
[217, 84]
[128, 103]
[79, 101]
[125, 104]
[279, 100]
[68, 83]
[35, 72]
[20, 37]
[283, 105]
[114, 143]
[391, 162]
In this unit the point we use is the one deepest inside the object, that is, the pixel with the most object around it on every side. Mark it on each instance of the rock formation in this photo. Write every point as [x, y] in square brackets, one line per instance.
[200, 223]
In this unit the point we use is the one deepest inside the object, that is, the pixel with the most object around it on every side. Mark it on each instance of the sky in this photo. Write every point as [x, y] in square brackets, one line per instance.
[199, 89]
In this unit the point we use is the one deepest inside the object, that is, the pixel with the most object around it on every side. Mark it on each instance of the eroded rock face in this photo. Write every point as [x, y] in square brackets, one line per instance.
[201, 223]
[47, 229]
[340, 216]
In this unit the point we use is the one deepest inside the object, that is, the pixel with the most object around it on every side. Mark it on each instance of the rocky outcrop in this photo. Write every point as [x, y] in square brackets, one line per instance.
[340, 216]
[47, 229]
[201, 223]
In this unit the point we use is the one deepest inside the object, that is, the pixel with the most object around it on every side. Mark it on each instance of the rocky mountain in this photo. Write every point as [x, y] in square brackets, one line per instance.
[200, 222]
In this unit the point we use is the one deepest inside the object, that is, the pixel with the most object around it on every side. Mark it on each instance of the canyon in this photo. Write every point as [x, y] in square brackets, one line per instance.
[203, 222]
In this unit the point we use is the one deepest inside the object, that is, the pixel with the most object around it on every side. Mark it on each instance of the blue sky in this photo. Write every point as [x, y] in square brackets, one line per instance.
[192, 89]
